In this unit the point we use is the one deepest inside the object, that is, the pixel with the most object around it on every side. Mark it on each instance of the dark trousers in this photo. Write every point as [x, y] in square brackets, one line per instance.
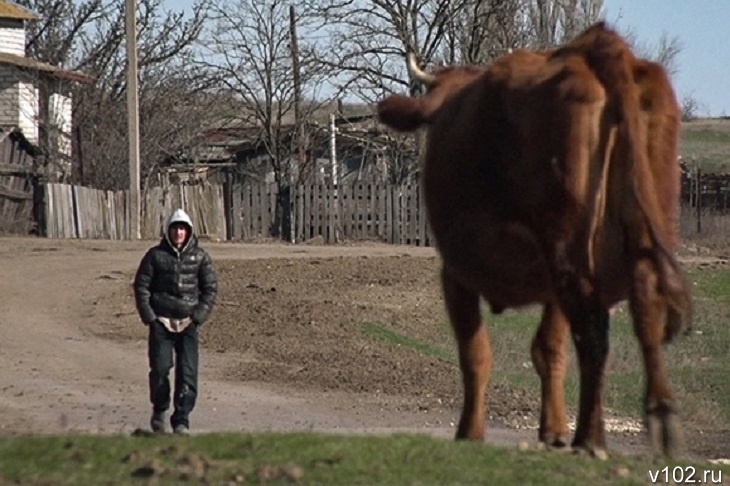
[162, 344]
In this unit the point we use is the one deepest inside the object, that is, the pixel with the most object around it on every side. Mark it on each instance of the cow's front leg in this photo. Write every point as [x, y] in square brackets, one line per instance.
[475, 355]
[550, 357]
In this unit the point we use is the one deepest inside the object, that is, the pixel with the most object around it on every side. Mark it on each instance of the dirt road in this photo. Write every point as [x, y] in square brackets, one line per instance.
[61, 374]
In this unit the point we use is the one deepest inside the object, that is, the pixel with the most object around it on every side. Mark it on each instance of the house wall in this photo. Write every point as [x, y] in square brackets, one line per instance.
[59, 114]
[9, 96]
[12, 37]
[28, 113]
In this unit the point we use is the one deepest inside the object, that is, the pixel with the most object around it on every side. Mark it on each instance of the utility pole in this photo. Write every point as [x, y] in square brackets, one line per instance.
[133, 119]
[298, 122]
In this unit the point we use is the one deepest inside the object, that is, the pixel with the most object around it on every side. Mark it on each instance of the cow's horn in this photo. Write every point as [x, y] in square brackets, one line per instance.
[417, 73]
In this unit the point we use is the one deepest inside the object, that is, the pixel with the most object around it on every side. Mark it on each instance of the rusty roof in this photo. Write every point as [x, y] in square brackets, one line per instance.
[9, 10]
[33, 65]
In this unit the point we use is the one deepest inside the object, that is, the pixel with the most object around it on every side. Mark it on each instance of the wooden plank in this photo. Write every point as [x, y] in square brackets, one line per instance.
[13, 194]
[370, 212]
[357, 210]
[382, 212]
[327, 194]
[237, 196]
[422, 220]
[347, 211]
[412, 215]
[392, 211]
[298, 222]
[308, 213]
[362, 211]
[76, 221]
[264, 210]
[314, 210]
[20, 170]
[48, 215]
[246, 211]
[272, 191]
[258, 191]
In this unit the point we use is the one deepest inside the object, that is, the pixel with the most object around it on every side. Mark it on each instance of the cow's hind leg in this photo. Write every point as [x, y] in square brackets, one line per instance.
[550, 357]
[590, 336]
[589, 322]
[649, 312]
[475, 355]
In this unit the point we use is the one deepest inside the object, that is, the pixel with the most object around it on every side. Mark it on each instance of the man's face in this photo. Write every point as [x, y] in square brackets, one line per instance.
[178, 234]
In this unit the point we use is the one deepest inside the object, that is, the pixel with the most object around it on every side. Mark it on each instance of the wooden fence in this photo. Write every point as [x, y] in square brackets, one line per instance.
[379, 212]
[203, 202]
[81, 212]
[387, 213]
[17, 184]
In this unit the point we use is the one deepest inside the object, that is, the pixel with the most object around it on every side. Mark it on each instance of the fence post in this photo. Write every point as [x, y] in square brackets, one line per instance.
[698, 198]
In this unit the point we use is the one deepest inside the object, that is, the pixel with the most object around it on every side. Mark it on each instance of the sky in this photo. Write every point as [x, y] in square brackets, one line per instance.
[703, 32]
[702, 28]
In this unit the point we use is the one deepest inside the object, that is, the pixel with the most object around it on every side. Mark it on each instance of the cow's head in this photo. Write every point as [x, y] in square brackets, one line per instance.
[406, 114]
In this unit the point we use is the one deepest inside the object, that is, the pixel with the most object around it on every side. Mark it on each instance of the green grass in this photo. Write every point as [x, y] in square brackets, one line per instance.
[697, 363]
[276, 458]
[382, 333]
[706, 143]
[697, 367]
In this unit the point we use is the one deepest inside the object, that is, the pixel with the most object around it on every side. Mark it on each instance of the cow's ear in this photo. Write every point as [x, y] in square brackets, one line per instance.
[401, 113]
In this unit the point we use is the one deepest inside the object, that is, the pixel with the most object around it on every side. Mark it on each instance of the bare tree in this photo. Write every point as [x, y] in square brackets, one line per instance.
[481, 31]
[547, 23]
[369, 39]
[664, 51]
[88, 35]
[249, 47]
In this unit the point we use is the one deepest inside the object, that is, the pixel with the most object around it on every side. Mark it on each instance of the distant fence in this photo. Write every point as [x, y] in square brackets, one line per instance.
[381, 212]
[203, 202]
[81, 212]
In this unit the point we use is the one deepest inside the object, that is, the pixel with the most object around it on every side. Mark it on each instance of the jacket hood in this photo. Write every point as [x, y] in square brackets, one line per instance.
[178, 216]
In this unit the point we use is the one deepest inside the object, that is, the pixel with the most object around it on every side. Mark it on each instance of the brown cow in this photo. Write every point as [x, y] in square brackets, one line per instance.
[551, 177]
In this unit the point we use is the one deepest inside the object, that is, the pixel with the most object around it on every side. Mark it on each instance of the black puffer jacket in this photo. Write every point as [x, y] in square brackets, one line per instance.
[175, 284]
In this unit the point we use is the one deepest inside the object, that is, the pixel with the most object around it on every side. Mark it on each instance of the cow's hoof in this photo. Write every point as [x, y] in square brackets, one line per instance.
[591, 451]
[554, 441]
[665, 432]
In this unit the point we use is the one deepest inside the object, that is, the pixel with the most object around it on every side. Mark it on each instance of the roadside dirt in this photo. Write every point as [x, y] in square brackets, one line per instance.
[293, 344]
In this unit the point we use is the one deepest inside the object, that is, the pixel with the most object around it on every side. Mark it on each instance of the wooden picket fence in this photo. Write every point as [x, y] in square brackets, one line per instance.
[81, 212]
[378, 212]
[203, 202]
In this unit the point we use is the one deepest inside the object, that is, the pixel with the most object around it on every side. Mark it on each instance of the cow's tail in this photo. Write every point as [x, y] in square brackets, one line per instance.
[611, 60]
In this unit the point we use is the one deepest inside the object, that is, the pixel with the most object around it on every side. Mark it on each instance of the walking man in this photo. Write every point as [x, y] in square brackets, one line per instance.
[174, 290]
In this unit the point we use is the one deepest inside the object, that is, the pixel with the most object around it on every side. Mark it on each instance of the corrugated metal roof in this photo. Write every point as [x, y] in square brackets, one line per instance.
[9, 10]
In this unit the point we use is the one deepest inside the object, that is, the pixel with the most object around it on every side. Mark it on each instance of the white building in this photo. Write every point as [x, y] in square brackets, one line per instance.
[35, 97]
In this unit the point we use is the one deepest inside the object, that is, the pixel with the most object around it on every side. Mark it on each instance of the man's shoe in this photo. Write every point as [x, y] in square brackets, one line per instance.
[181, 430]
[157, 422]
